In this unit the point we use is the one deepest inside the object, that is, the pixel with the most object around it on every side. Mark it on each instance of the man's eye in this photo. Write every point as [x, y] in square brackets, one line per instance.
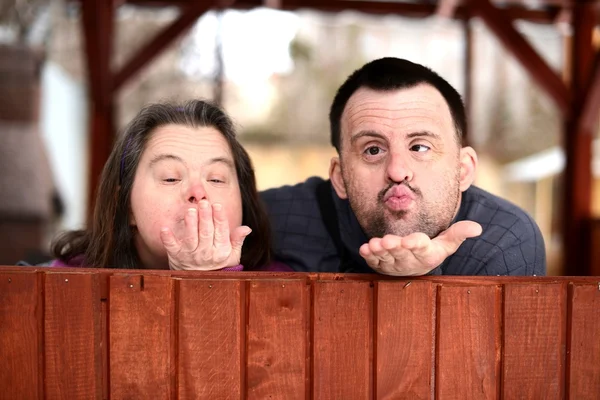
[373, 150]
[420, 148]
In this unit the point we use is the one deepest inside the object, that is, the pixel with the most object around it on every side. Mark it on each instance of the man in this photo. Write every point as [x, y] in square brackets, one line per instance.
[399, 200]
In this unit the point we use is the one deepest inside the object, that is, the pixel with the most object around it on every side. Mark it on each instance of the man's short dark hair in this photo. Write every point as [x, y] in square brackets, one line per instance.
[388, 74]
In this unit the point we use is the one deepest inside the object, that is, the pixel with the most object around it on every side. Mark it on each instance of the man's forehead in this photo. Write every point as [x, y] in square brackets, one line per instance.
[419, 104]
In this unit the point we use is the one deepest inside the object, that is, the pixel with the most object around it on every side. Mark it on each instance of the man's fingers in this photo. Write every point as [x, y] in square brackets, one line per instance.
[461, 230]
[387, 260]
[416, 241]
[366, 253]
[190, 230]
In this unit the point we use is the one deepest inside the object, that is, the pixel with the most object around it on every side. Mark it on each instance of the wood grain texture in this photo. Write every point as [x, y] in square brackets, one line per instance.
[584, 365]
[140, 336]
[21, 336]
[211, 327]
[72, 336]
[277, 339]
[342, 340]
[468, 363]
[405, 340]
[534, 341]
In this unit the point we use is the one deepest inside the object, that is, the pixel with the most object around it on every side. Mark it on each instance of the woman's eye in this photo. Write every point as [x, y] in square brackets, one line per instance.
[420, 148]
[170, 180]
[216, 180]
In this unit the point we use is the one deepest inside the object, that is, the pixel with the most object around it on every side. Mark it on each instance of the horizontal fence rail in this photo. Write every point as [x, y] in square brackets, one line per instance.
[122, 334]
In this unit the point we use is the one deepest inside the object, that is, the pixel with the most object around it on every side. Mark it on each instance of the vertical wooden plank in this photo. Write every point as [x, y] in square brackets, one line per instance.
[342, 340]
[72, 336]
[534, 341]
[405, 339]
[211, 327]
[21, 336]
[140, 337]
[468, 364]
[584, 368]
[277, 339]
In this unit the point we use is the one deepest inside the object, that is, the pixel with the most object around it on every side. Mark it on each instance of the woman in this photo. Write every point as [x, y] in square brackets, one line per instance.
[178, 191]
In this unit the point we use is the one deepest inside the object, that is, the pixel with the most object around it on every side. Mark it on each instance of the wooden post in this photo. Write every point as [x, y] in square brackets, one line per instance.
[468, 76]
[577, 187]
[97, 20]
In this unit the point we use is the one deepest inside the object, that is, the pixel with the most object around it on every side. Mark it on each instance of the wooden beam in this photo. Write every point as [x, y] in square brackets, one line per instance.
[447, 8]
[468, 77]
[577, 180]
[591, 101]
[97, 20]
[162, 40]
[539, 70]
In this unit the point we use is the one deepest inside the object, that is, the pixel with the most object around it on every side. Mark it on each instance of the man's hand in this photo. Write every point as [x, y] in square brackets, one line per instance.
[416, 254]
[206, 244]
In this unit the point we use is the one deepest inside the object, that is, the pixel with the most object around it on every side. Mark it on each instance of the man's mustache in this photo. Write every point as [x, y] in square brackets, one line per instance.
[382, 193]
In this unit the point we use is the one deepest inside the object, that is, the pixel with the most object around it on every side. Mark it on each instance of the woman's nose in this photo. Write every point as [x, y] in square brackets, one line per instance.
[196, 193]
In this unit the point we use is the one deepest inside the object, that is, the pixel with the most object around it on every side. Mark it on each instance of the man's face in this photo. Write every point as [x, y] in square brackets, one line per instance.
[400, 161]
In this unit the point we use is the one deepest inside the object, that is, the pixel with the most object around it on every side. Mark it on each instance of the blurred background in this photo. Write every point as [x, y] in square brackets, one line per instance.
[73, 73]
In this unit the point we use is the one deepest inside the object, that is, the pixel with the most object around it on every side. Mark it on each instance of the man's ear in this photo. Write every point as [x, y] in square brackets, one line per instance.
[335, 174]
[468, 167]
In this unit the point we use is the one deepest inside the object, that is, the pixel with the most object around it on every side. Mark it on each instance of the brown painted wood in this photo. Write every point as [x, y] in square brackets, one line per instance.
[469, 340]
[278, 318]
[534, 341]
[98, 26]
[141, 331]
[211, 339]
[21, 336]
[584, 363]
[501, 25]
[72, 336]
[577, 141]
[405, 340]
[591, 101]
[342, 315]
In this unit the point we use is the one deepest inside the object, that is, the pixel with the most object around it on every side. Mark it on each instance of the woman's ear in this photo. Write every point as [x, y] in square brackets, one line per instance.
[335, 174]
[468, 167]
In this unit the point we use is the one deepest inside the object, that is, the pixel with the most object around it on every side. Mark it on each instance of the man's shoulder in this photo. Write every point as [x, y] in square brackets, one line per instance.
[491, 211]
[510, 244]
[298, 199]
[302, 190]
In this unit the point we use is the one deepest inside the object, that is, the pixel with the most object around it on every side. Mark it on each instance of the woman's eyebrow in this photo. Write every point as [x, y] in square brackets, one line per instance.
[223, 160]
[162, 157]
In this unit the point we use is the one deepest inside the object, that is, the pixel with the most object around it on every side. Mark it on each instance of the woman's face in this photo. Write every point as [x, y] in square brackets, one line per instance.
[179, 167]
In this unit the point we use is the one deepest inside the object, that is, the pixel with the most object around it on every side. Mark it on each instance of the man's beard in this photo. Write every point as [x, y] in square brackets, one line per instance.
[382, 221]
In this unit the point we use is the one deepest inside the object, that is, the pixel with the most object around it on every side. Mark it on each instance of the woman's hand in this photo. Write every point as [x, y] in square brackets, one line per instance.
[206, 243]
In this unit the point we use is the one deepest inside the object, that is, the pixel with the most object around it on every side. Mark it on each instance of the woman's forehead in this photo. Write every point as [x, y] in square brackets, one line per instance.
[185, 141]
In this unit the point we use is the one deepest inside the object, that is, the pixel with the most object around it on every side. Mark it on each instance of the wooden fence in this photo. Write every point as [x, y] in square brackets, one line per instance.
[79, 334]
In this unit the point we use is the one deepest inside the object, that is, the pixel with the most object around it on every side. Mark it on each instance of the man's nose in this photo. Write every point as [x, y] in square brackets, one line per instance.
[398, 169]
[196, 193]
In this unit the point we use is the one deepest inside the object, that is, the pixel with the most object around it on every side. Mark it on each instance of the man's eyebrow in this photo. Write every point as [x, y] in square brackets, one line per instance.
[362, 134]
[162, 157]
[424, 134]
